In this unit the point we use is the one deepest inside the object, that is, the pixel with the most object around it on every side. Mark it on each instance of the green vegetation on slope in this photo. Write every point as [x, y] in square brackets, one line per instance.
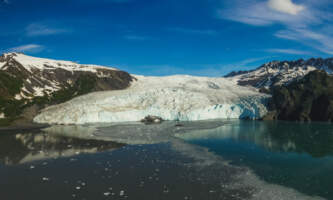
[13, 108]
[83, 85]
[9, 85]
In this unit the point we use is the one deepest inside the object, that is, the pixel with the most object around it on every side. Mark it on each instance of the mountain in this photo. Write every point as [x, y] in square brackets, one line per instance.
[57, 92]
[279, 73]
[307, 99]
[28, 84]
[301, 90]
[183, 98]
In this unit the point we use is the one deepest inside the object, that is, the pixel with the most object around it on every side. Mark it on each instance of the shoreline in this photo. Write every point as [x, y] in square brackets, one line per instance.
[24, 128]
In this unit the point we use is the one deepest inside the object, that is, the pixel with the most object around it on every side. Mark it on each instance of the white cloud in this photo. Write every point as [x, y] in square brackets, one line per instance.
[306, 23]
[36, 29]
[288, 51]
[259, 13]
[29, 48]
[285, 6]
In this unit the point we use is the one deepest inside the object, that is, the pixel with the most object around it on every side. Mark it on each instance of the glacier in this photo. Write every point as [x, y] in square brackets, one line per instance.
[179, 97]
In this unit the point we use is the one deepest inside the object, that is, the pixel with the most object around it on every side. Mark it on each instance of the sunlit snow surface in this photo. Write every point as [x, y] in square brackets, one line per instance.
[30, 63]
[183, 98]
[201, 165]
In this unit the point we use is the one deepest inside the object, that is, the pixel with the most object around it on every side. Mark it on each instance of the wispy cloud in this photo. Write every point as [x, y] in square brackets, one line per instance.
[306, 23]
[36, 29]
[137, 37]
[244, 64]
[322, 40]
[120, 1]
[194, 31]
[103, 1]
[29, 48]
[250, 61]
[210, 70]
[5, 1]
[262, 13]
[289, 51]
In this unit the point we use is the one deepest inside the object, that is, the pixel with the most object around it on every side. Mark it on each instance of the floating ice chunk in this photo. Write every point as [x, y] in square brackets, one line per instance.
[45, 179]
[107, 193]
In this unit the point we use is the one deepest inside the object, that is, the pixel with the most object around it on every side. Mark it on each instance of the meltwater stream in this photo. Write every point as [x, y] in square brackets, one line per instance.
[189, 160]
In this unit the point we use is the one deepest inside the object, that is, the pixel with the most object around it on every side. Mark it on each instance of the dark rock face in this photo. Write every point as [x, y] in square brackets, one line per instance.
[308, 99]
[152, 120]
[23, 87]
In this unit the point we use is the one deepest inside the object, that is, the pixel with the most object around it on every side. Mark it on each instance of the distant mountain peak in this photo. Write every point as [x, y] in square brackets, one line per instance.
[27, 80]
[280, 72]
[36, 63]
[41, 75]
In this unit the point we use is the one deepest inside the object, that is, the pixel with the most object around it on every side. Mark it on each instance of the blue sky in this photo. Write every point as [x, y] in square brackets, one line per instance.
[162, 37]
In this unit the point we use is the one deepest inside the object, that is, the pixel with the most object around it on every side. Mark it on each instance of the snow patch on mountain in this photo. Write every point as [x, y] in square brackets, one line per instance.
[42, 76]
[2, 64]
[30, 63]
[278, 73]
[184, 98]
[267, 77]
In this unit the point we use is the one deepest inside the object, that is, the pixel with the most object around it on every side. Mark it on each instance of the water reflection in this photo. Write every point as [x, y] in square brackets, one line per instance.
[21, 148]
[315, 139]
[294, 155]
[159, 162]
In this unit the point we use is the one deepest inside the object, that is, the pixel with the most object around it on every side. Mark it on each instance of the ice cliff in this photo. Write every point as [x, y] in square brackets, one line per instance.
[184, 98]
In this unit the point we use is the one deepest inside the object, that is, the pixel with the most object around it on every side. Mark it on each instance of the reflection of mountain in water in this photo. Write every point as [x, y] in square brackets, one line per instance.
[166, 155]
[23, 148]
[315, 139]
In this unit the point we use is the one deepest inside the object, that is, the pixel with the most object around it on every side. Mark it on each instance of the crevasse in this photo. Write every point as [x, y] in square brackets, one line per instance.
[183, 98]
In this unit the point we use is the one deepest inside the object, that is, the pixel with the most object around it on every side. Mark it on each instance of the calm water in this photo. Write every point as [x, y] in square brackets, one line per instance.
[193, 160]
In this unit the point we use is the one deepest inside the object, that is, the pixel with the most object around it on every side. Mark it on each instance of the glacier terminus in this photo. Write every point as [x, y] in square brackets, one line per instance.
[178, 97]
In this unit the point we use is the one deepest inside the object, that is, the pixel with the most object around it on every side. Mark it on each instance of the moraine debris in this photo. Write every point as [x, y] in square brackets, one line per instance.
[152, 120]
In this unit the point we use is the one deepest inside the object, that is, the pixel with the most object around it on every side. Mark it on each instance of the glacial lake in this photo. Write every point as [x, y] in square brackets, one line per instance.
[205, 160]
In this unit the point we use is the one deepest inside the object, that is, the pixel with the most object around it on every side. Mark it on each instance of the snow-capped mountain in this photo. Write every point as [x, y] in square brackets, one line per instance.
[183, 98]
[121, 97]
[28, 84]
[280, 72]
[41, 76]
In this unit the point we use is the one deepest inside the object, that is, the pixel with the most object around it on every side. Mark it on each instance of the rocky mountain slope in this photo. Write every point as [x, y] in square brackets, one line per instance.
[28, 84]
[301, 90]
[308, 99]
[279, 73]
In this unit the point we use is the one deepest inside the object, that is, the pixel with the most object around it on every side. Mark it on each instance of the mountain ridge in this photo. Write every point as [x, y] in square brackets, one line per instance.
[30, 83]
[277, 73]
